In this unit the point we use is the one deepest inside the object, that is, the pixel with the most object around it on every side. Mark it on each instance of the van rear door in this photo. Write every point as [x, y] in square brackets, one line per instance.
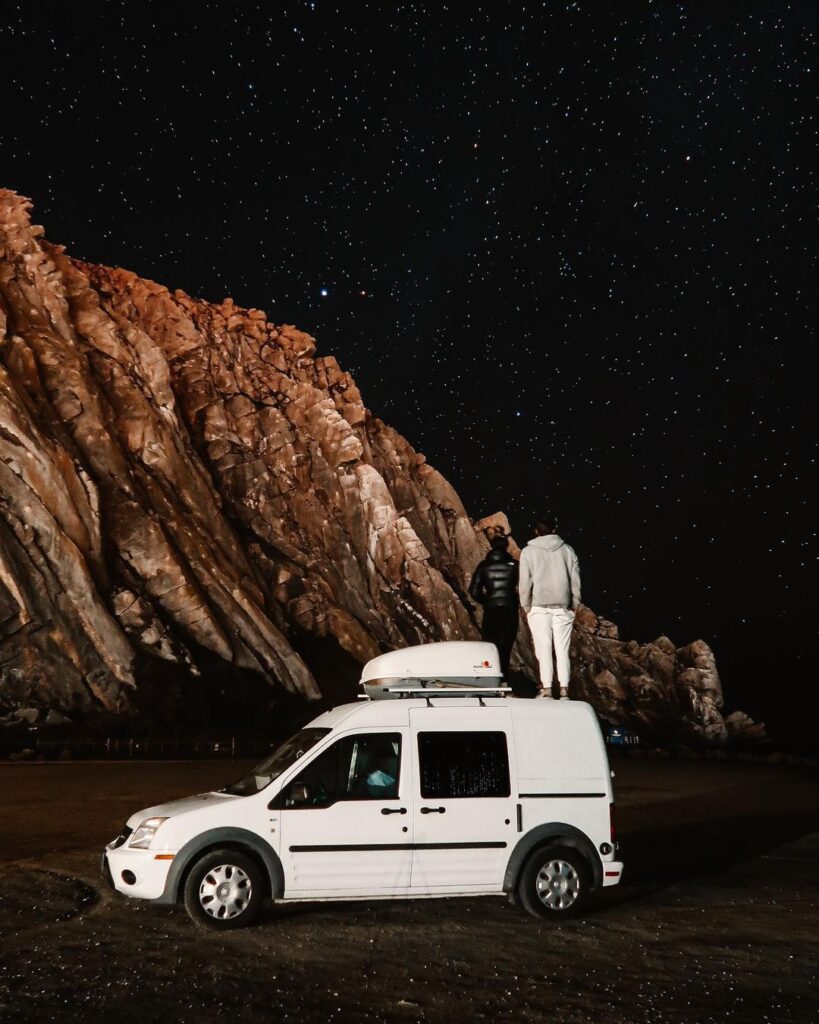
[464, 809]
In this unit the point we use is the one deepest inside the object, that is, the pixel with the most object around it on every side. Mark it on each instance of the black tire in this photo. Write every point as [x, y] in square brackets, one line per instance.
[554, 883]
[224, 889]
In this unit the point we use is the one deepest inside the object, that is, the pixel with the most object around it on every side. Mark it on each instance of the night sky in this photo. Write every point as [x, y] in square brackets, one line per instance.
[567, 249]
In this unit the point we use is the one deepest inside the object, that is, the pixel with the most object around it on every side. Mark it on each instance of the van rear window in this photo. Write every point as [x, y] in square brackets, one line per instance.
[463, 764]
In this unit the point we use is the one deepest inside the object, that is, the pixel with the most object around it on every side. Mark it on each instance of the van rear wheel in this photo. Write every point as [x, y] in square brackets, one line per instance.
[224, 889]
[554, 882]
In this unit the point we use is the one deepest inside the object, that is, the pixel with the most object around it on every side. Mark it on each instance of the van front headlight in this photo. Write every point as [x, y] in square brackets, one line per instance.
[141, 839]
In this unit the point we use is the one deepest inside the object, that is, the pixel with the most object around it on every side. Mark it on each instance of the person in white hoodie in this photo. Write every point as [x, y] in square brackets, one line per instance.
[549, 590]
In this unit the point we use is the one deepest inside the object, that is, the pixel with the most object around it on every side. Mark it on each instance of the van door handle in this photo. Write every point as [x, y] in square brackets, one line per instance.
[393, 810]
[433, 810]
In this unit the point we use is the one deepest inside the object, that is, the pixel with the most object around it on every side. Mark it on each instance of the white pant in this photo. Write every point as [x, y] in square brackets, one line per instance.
[548, 626]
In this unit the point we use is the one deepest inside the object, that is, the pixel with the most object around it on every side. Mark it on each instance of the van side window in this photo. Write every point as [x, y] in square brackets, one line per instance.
[362, 767]
[463, 764]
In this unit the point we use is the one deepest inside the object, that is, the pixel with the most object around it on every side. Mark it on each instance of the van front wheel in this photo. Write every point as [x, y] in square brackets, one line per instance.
[554, 882]
[224, 889]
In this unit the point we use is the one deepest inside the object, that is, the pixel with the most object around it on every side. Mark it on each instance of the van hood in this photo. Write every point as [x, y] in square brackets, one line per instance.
[176, 807]
[551, 542]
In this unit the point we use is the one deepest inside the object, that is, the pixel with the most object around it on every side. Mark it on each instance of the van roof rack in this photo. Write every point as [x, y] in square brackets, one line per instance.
[449, 692]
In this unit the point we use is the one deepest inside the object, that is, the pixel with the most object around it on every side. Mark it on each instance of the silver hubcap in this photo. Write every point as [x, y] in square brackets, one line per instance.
[557, 884]
[225, 892]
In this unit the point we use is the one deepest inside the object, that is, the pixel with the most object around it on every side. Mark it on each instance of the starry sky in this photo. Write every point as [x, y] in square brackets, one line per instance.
[566, 248]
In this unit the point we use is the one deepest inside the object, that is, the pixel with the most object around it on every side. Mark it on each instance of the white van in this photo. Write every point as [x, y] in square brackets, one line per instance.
[451, 788]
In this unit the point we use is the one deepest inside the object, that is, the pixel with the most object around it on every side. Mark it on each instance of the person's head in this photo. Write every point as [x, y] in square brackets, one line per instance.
[545, 524]
[499, 542]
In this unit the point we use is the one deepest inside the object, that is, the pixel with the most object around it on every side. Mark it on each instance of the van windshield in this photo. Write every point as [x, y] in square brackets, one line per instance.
[280, 760]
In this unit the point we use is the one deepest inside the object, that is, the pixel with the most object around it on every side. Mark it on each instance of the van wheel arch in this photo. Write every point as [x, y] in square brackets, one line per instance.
[240, 840]
[543, 836]
[556, 841]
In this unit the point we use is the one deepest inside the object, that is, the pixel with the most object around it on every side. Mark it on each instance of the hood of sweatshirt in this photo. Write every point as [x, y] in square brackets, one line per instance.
[551, 542]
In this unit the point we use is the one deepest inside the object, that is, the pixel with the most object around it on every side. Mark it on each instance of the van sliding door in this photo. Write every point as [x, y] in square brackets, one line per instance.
[464, 808]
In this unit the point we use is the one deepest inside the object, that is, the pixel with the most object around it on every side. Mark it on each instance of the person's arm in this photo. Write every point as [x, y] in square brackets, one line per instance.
[476, 585]
[574, 571]
[525, 582]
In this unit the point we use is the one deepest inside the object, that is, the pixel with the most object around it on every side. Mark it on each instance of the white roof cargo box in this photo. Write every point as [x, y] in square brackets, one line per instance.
[454, 663]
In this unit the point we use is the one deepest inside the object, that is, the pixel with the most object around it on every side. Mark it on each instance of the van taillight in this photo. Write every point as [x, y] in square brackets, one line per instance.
[611, 825]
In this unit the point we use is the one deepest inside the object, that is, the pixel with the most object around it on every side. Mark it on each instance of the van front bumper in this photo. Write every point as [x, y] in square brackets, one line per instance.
[136, 873]
[612, 872]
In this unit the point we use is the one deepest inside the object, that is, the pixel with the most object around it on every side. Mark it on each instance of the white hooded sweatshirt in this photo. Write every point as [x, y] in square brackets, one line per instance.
[549, 574]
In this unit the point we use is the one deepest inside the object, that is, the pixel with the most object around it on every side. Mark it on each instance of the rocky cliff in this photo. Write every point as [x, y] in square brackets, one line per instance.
[198, 515]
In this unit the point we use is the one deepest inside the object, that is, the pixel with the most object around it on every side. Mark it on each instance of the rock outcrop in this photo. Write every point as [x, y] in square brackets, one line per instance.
[199, 515]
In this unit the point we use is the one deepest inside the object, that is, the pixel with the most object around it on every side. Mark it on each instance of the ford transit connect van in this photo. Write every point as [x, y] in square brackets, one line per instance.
[449, 788]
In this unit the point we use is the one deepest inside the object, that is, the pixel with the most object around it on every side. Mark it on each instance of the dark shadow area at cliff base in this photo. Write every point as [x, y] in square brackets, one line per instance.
[336, 672]
[223, 699]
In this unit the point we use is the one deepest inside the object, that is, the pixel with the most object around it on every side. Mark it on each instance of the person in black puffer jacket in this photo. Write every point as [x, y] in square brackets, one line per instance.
[494, 585]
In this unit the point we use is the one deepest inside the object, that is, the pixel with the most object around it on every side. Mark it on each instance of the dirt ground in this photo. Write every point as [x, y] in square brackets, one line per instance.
[717, 918]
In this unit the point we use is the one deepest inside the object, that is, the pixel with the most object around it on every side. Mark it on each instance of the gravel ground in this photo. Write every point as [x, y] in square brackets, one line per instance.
[717, 919]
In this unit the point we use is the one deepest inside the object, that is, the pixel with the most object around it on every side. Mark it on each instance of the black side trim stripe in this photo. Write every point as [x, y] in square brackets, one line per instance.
[459, 846]
[555, 796]
[352, 846]
[346, 847]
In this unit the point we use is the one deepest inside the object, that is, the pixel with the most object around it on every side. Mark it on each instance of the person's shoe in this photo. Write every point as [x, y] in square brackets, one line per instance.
[545, 692]
[564, 692]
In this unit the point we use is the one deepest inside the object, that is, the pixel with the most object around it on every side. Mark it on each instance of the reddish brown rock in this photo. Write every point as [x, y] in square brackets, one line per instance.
[197, 513]
[497, 523]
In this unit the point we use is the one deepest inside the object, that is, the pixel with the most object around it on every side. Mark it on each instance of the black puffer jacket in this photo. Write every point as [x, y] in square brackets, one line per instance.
[495, 583]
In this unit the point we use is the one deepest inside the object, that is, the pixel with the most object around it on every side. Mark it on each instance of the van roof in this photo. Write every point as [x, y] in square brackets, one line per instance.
[396, 712]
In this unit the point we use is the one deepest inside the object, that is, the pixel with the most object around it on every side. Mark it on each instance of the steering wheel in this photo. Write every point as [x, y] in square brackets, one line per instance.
[320, 795]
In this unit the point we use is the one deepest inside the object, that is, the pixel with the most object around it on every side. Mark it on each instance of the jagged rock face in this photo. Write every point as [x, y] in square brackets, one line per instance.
[670, 694]
[196, 512]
